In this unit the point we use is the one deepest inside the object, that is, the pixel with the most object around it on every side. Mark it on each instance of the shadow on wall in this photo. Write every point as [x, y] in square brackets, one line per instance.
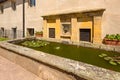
[2, 1]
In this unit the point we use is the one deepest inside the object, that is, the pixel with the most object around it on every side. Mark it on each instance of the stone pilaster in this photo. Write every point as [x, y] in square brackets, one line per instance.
[58, 28]
[45, 29]
[74, 30]
[97, 29]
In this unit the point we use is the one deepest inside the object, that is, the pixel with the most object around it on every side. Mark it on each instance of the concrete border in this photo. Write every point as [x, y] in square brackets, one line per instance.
[80, 69]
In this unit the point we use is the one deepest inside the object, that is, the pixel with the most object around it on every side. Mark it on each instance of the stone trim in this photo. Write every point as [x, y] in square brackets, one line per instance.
[88, 44]
[70, 11]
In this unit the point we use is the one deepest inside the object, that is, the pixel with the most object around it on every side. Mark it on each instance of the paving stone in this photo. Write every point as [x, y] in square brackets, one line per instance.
[11, 71]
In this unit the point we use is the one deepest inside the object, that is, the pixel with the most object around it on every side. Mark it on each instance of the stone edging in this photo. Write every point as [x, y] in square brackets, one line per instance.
[90, 45]
[80, 69]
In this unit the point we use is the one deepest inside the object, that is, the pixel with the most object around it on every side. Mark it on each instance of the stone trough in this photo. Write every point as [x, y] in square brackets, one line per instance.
[51, 67]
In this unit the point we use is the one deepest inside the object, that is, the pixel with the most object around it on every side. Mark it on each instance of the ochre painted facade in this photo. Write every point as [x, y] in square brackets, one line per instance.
[87, 20]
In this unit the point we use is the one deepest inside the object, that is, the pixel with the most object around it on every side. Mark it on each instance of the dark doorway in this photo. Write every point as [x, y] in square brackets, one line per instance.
[2, 32]
[85, 35]
[14, 30]
[51, 32]
[30, 31]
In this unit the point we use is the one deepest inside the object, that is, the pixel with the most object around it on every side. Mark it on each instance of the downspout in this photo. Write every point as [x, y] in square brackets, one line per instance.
[23, 18]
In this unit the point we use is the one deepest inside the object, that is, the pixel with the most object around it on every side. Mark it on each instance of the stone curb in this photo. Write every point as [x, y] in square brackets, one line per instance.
[80, 69]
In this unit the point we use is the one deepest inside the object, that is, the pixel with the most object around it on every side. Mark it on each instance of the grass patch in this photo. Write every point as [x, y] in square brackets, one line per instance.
[3, 39]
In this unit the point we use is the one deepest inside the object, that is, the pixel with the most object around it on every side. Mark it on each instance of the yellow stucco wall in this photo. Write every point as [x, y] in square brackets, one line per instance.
[77, 23]
[52, 23]
[75, 31]
[58, 28]
[45, 28]
[97, 30]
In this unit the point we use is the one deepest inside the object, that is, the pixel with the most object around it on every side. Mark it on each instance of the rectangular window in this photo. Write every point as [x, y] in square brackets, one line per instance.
[85, 35]
[13, 5]
[66, 29]
[30, 31]
[51, 32]
[65, 26]
[14, 33]
[32, 3]
[1, 8]
[2, 32]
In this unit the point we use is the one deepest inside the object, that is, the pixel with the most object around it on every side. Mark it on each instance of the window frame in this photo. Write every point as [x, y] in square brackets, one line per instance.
[32, 3]
[63, 29]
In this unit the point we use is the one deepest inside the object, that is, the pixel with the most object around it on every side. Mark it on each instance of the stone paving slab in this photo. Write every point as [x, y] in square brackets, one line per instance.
[12, 71]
